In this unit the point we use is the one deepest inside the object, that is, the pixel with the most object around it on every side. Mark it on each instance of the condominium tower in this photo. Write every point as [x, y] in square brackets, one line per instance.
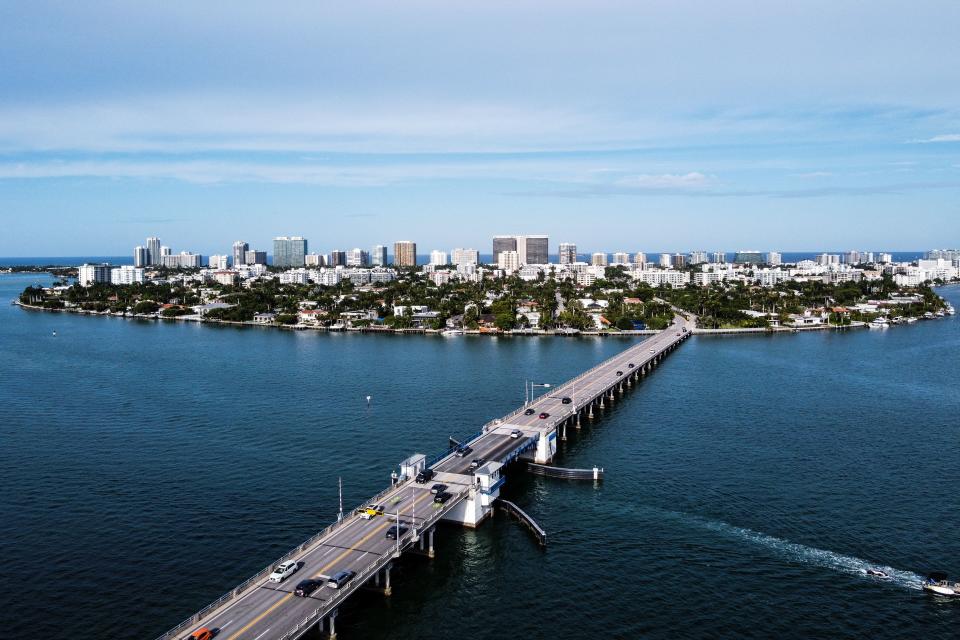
[405, 253]
[289, 251]
[567, 253]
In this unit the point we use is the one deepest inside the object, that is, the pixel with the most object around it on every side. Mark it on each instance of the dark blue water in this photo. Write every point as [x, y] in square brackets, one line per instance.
[146, 468]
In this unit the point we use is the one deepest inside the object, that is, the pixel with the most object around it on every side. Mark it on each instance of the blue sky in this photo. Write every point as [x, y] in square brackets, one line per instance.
[616, 125]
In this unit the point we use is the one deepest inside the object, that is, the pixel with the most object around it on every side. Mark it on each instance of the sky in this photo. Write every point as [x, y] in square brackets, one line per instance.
[620, 126]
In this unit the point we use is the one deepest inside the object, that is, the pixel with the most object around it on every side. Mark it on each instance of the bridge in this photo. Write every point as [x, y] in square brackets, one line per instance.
[259, 609]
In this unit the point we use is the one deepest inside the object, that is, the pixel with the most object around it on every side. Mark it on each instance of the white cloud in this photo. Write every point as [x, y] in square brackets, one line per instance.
[693, 180]
[946, 137]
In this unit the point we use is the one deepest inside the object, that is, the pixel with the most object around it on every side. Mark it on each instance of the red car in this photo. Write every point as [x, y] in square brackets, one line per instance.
[201, 634]
[544, 416]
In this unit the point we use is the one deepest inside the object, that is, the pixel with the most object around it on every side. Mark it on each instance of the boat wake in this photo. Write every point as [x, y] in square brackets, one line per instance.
[813, 556]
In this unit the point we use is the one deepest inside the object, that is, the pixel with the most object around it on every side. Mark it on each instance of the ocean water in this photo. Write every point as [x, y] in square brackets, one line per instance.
[147, 468]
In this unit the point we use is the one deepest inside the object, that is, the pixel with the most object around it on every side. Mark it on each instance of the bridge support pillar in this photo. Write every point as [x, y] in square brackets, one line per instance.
[387, 589]
[602, 396]
[333, 624]
[590, 410]
[578, 419]
[430, 552]
[563, 431]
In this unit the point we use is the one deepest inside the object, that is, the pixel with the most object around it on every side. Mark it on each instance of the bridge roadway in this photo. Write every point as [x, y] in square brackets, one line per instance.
[262, 610]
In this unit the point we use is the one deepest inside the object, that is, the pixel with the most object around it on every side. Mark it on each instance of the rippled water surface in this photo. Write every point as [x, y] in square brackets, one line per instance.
[147, 467]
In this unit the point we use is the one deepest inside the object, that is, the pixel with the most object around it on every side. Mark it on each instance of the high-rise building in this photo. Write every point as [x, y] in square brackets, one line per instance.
[640, 259]
[665, 260]
[126, 275]
[141, 257]
[748, 257]
[240, 249]
[378, 257]
[465, 256]
[314, 260]
[164, 251]
[405, 253]
[621, 257]
[153, 250]
[503, 243]
[89, 274]
[255, 257]
[509, 261]
[774, 259]
[599, 259]
[567, 253]
[940, 254]
[699, 257]
[825, 259]
[219, 262]
[289, 252]
[438, 258]
[358, 258]
[678, 261]
[719, 257]
[885, 258]
[337, 258]
[533, 249]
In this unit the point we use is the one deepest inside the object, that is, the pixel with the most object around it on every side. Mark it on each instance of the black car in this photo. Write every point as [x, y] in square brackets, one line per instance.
[306, 587]
[396, 531]
[438, 488]
[464, 451]
[566, 401]
[619, 373]
[442, 497]
[426, 475]
[529, 412]
[341, 579]
[477, 463]
[630, 365]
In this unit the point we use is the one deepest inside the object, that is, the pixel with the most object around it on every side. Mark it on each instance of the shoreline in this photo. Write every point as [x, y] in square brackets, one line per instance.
[440, 332]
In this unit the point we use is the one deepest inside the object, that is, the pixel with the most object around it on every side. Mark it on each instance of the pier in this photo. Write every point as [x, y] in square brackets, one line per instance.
[258, 609]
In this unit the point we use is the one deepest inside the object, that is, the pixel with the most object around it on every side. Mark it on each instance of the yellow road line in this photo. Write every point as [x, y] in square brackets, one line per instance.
[322, 570]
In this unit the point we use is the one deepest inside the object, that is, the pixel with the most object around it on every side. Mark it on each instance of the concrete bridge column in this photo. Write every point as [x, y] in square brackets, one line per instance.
[430, 552]
[578, 419]
[590, 414]
[563, 430]
[387, 590]
[333, 624]
[602, 396]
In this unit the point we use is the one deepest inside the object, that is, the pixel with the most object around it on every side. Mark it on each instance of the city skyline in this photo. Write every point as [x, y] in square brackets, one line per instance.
[497, 116]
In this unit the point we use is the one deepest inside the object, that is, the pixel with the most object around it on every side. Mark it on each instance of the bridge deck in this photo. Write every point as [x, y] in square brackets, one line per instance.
[261, 610]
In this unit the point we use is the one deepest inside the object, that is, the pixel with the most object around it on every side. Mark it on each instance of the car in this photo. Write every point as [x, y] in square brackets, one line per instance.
[630, 365]
[544, 415]
[442, 497]
[438, 488]
[306, 587]
[425, 475]
[284, 570]
[684, 329]
[202, 633]
[619, 373]
[372, 510]
[464, 451]
[529, 412]
[396, 531]
[652, 351]
[516, 433]
[678, 333]
[566, 401]
[340, 579]
[476, 463]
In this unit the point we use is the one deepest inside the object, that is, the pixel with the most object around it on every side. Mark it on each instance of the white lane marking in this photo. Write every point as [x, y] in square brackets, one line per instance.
[261, 635]
[224, 625]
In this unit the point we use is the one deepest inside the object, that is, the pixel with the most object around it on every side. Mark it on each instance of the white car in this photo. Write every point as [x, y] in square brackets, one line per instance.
[284, 570]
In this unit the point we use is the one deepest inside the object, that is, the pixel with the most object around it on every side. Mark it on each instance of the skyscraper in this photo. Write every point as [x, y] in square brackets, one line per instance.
[140, 257]
[255, 257]
[665, 260]
[640, 259]
[289, 251]
[774, 258]
[699, 257]
[501, 244]
[748, 257]
[153, 250]
[405, 253]
[356, 257]
[509, 261]
[240, 249]
[567, 253]
[378, 257]
[438, 258]
[678, 261]
[599, 259]
[338, 258]
[621, 258]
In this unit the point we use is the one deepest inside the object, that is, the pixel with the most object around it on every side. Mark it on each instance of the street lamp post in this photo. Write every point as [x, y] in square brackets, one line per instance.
[528, 390]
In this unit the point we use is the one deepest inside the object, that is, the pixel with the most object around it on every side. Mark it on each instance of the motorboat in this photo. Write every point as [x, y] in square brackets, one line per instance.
[938, 583]
[879, 323]
[447, 333]
[877, 573]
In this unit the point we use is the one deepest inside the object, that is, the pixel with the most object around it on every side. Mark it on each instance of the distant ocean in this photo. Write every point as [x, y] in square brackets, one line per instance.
[72, 261]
